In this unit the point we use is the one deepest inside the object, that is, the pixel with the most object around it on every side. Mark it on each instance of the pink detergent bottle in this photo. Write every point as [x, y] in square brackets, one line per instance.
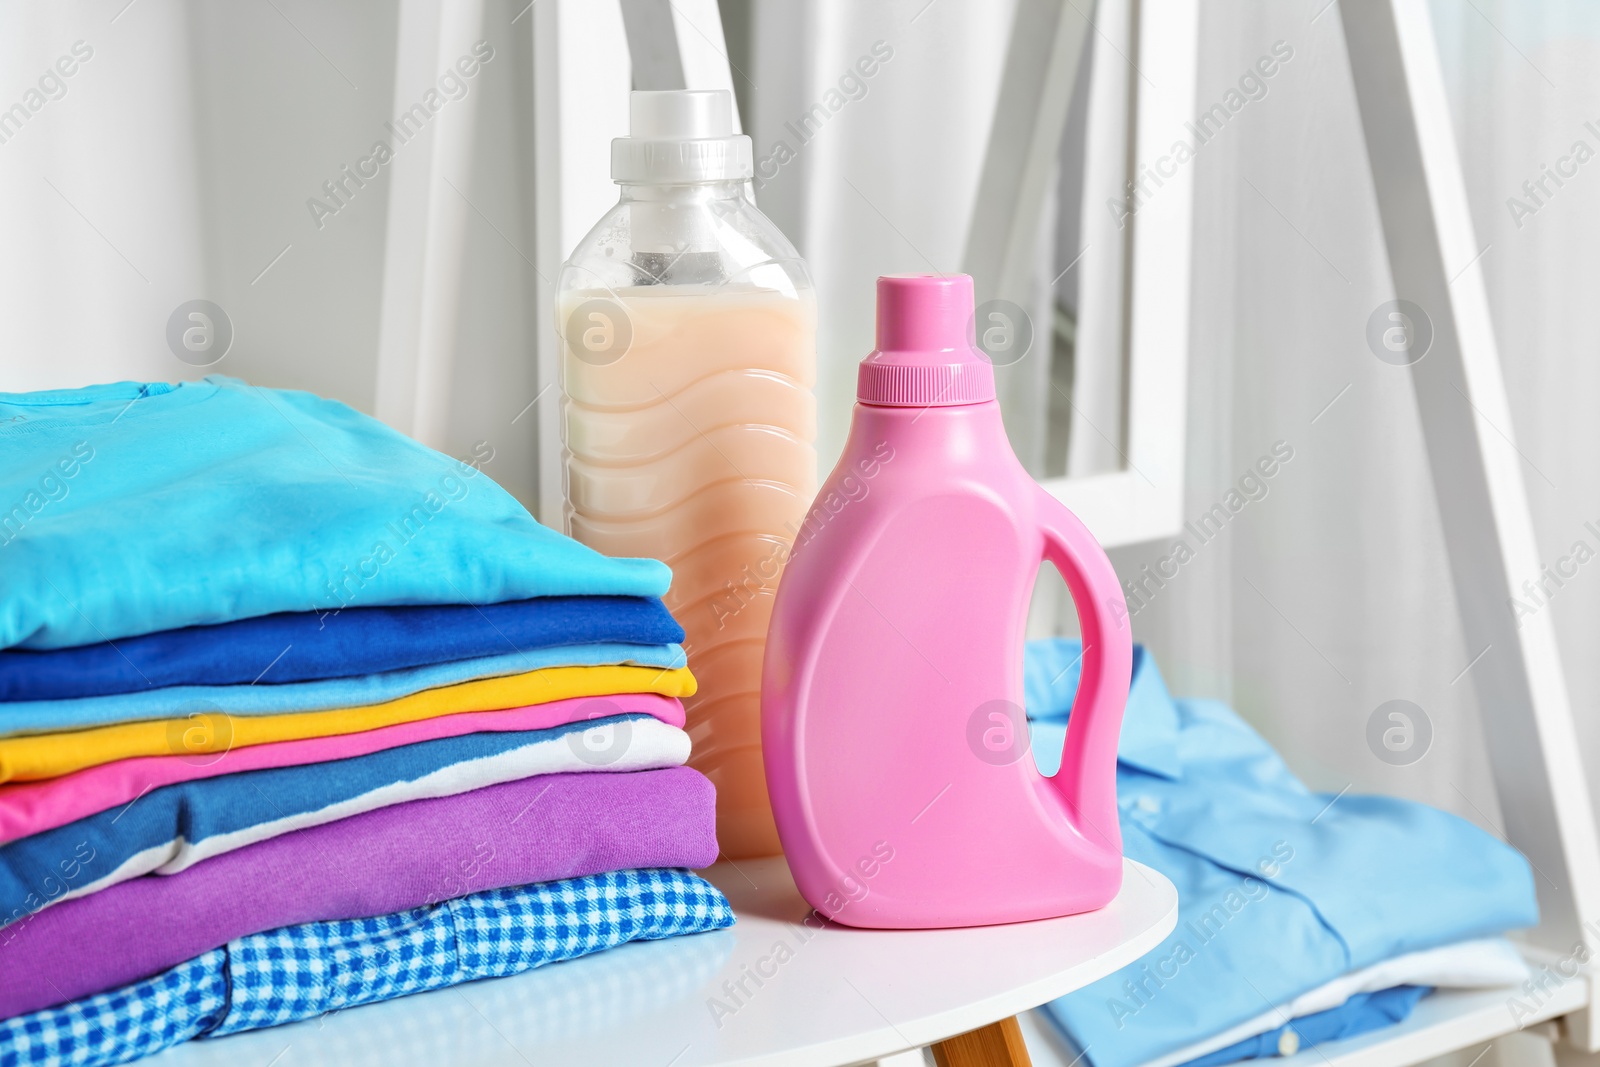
[892, 725]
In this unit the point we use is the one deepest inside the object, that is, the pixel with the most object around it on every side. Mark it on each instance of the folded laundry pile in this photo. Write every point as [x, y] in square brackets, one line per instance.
[296, 714]
[1302, 917]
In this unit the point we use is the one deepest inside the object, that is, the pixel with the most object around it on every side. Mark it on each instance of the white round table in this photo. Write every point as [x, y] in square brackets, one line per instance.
[772, 991]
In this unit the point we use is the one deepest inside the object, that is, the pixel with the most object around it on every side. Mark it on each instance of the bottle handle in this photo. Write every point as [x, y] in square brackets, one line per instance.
[1087, 780]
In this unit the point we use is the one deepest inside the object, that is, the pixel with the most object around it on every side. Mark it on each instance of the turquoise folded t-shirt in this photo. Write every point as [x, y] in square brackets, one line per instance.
[131, 508]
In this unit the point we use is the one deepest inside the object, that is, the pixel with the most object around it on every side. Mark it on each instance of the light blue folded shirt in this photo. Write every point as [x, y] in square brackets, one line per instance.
[132, 508]
[176, 701]
[1279, 889]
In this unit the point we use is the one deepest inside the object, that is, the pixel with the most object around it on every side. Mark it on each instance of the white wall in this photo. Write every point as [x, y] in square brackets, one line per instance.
[99, 234]
[192, 140]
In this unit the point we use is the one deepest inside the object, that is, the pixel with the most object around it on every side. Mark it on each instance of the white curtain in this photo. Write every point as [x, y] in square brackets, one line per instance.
[886, 184]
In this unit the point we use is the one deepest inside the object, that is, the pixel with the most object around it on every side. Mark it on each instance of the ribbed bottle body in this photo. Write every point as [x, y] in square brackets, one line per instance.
[696, 446]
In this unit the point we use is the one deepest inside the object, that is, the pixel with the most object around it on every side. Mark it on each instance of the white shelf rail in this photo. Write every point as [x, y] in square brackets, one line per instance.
[1434, 259]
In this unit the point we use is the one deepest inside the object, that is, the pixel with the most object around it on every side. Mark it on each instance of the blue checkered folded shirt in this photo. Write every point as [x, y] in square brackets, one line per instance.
[301, 971]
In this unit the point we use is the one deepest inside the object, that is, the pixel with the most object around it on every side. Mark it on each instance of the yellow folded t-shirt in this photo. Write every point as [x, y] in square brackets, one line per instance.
[211, 735]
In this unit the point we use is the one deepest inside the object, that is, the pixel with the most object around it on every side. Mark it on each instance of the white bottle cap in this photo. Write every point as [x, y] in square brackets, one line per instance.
[681, 135]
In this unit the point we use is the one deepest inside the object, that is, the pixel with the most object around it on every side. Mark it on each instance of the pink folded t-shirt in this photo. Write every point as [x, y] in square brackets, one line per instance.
[29, 807]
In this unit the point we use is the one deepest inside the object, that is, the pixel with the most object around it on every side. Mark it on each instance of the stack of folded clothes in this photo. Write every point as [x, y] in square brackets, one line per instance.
[296, 714]
[1302, 917]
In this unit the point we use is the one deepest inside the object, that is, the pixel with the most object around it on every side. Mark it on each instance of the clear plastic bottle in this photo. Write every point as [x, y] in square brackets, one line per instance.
[689, 422]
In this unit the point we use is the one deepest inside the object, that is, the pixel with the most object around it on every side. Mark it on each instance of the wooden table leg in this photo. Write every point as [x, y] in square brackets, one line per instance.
[996, 1045]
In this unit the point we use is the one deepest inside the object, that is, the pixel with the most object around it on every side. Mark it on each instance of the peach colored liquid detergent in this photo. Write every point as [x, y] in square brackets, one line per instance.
[689, 325]
[696, 447]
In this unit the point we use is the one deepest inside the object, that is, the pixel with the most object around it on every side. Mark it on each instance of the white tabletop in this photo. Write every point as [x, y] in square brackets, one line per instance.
[827, 996]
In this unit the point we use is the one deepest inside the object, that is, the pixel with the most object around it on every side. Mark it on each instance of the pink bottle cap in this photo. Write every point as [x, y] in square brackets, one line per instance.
[926, 354]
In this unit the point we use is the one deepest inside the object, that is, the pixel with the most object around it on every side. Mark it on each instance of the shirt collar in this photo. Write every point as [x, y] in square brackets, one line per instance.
[1149, 740]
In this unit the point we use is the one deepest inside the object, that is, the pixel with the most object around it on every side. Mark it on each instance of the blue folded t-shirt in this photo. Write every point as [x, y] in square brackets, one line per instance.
[1361, 1014]
[18, 717]
[300, 647]
[131, 508]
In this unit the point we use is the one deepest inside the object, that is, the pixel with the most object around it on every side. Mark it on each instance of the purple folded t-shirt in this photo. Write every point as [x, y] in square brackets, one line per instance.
[389, 860]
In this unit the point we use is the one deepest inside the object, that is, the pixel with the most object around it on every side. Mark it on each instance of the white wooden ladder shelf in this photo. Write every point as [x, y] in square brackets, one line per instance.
[1478, 483]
